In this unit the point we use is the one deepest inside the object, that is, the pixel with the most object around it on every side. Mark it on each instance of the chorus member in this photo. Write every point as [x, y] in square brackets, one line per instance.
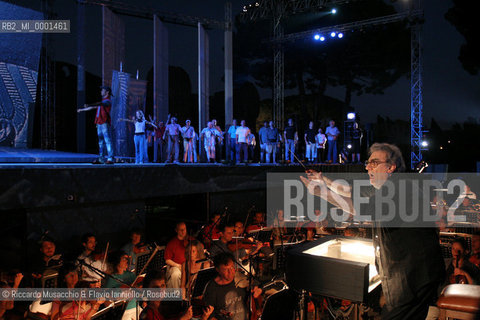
[175, 255]
[232, 136]
[188, 134]
[103, 122]
[251, 142]
[172, 133]
[290, 135]
[139, 138]
[332, 134]
[460, 269]
[194, 262]
[273, 142]
[241, 141]
[159, 142]
[408, 255]
[311, 149]
[219, 141]
[262, 136]
[209, 135]
[228, 300]
[357, 135]
[320, 141]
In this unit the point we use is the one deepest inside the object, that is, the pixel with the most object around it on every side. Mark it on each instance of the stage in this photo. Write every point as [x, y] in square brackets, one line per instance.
[37, 178]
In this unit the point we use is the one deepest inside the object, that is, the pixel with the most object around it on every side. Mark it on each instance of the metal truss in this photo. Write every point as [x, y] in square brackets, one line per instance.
[265, 9]
[416, 93]
[351, 26]
[148, 13]
[278, 10]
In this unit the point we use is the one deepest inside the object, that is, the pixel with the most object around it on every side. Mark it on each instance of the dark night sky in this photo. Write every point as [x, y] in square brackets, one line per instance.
[450, 93]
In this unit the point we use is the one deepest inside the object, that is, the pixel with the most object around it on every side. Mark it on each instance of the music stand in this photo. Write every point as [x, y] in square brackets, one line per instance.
[113, 311]
[157, 263]
[203, 277]
[265, 235]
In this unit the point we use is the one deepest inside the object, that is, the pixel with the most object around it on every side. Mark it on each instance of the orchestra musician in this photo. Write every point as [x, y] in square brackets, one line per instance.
[475, 257]
[90, 257]
[134, 247]
[194, 262]
[228, 300]
[461, 270]
[175, 256]
[258, 222]
[49, 259]
[120, 262]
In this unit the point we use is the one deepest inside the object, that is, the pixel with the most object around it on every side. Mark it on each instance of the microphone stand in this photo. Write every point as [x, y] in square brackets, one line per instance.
[102, 273]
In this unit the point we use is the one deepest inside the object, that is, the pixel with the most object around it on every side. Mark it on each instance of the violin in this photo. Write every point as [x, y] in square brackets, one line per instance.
[140, 247]
[244, 243]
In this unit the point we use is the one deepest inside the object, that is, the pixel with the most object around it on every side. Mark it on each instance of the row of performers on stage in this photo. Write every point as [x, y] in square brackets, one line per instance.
[239, 141]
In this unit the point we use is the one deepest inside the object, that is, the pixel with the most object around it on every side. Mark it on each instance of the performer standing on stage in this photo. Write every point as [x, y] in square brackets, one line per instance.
[172, 130]
[209, 135]
[103, 121]
[332, 134]
[188, 133]
[139, 138]
[232, 136]
[219, 141]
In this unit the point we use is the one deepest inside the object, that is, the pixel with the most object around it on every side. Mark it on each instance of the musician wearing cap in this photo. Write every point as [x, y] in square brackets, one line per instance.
[103, 122]
[409, 259]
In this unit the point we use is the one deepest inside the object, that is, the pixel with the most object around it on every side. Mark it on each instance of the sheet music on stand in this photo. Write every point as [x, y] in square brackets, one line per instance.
[203, 277]
[157, 263]
[262, 235]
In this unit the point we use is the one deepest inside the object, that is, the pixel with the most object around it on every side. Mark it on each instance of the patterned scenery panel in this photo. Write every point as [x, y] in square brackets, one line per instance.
[122, 131]
[19, 59]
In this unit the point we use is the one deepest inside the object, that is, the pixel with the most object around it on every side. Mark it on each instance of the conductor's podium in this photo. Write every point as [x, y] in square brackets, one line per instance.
[459, 301]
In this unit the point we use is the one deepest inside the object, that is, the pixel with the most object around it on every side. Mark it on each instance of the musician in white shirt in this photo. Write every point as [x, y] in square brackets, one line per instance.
[320, 140]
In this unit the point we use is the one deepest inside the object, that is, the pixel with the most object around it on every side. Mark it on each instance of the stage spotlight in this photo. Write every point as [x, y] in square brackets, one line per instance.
[316, 37]
[333, 34]
[244, 8]
[257, 4]
[424, 144]
[351, 116]
[333, 11]
[349, 146]
[322, 38]
[340, 35]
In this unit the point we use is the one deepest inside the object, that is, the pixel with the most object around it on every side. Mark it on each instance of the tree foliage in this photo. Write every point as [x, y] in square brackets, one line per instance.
[464, 16]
